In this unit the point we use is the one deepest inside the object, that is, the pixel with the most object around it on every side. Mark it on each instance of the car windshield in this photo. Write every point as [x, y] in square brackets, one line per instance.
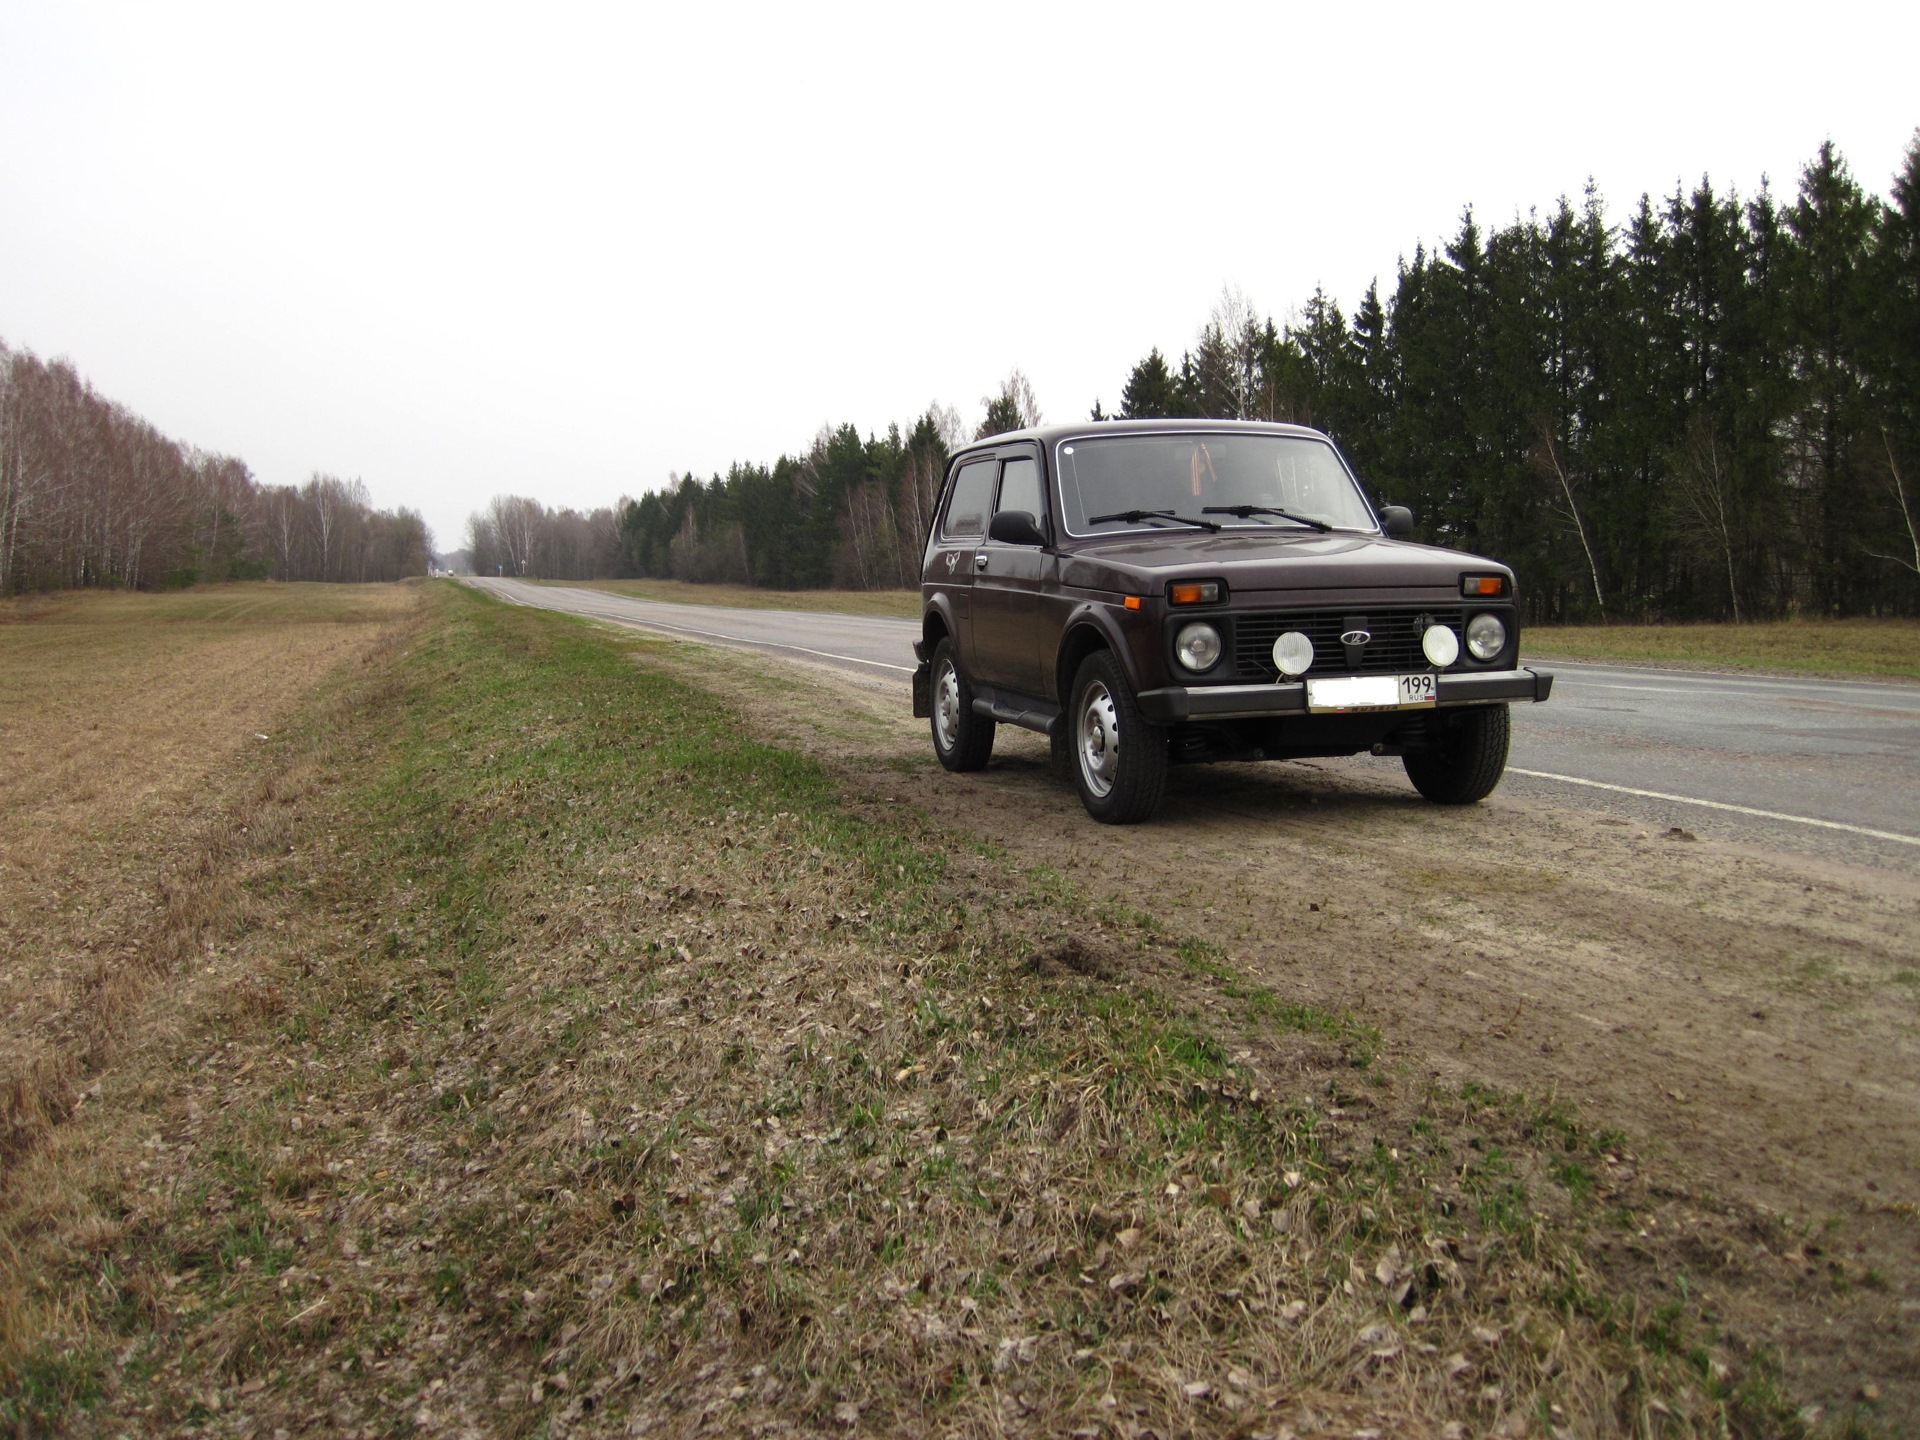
[1132, 482]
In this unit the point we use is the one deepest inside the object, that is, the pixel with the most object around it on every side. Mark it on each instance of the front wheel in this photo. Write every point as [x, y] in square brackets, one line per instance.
[1119, 759]
[1465, 755]
[962, 739]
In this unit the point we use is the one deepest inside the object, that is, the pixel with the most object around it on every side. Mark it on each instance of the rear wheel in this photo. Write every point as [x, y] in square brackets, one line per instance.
[1119, 759]
[962, 739]
[1465, 756]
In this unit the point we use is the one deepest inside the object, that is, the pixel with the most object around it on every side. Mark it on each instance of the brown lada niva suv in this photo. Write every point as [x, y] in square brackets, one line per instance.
[1147, 592]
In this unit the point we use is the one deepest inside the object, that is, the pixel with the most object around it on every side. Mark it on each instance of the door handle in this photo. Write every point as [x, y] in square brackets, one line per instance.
[979, 562]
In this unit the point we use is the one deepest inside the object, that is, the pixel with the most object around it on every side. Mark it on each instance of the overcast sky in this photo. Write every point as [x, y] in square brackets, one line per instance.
[564, 250]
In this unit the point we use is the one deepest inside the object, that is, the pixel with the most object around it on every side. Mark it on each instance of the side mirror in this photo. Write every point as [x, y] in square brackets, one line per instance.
[1396, 520]
[1015, 527]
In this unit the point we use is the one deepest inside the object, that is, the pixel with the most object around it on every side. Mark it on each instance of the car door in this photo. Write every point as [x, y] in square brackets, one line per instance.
[957, 538]
[1006, 584]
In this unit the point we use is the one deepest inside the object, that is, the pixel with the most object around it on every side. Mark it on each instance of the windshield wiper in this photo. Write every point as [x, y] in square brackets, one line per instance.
[1134, 517]
[1243, 511]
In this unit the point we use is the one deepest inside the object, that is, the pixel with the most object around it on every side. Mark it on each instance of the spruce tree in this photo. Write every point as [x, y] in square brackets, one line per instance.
[1829, 304]
[1149, 392]
[1893, 392]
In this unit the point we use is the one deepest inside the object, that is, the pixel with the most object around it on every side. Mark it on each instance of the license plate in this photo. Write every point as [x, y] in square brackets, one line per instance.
[1372, 692]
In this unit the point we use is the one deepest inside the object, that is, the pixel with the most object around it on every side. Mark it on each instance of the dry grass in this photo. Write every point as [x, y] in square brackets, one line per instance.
[110, 700]
[133, 733]
[1888, 648]
[583, 1067]
[901, 604]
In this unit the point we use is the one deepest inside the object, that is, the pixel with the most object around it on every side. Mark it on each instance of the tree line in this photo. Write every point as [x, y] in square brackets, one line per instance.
[848, 512]
[93, 495]
[518, 536]
[1711, 410]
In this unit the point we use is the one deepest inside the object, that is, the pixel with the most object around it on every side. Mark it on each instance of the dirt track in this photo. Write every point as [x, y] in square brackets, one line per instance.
[1751, 1020]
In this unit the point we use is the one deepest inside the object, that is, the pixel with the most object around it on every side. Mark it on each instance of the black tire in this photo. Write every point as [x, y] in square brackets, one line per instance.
[1465, 757]
[1119, 759]
[962, 739]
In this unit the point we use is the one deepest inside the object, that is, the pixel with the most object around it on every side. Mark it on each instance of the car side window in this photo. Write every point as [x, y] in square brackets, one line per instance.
[1020, 489]
[972, 494]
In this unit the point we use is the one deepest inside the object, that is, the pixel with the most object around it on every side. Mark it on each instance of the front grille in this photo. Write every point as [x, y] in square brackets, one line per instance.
[1393, 649]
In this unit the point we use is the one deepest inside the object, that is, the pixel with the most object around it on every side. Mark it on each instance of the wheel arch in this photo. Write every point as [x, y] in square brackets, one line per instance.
[1088, 630]
[936, 625]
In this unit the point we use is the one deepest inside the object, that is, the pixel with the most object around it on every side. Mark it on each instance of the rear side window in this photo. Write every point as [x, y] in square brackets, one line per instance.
[972, 494]
[1020, 488]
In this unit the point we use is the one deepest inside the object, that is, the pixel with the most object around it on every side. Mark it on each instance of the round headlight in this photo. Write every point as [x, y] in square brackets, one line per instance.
[1486, 636]
[1441, 645]
[1292, 653]
[1198, 647]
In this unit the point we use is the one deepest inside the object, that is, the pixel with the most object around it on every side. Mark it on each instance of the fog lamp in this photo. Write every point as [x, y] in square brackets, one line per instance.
[1292, 653]
[1441, 646]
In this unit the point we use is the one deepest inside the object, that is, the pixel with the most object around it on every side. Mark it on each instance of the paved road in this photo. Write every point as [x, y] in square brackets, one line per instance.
[871, 642]
[1833, 764]
[1826, 767]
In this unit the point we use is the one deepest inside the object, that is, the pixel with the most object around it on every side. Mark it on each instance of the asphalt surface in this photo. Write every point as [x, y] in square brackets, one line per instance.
[873, 643]
[1824, 767]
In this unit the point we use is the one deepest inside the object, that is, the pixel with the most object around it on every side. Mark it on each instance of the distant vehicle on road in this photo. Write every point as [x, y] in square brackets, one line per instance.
[1152, 592]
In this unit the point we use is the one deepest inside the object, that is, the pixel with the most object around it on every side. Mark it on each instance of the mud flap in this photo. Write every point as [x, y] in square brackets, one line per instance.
[923, 692]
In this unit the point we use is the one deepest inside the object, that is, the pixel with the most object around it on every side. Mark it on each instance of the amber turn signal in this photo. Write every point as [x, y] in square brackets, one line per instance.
[1194, 592]
[1478, 585]
[1132, 602]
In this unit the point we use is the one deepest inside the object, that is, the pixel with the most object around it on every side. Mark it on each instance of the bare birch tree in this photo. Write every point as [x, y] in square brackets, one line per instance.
[1705, 489]
[919, 491]
[1229, 351]
[1014, 408]
[1899, 489]
[869, 557]
[515, 521]
[1569, 508]
[14, 501]
[324, 499]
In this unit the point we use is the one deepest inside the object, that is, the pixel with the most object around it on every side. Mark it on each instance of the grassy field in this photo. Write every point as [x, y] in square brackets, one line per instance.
[125, 721]
[1881, 648]
[545, 1057]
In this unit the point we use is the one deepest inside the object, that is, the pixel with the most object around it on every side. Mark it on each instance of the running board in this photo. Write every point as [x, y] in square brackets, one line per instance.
[1021, 710]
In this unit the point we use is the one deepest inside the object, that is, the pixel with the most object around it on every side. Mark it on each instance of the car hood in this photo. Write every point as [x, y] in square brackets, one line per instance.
[1267, 560]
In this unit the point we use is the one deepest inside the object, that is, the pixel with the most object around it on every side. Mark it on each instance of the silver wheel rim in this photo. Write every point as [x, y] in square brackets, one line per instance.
[1099, 746]
[946, 706]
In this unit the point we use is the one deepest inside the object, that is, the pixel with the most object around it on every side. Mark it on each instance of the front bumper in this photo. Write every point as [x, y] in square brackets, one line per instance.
[1173, 704]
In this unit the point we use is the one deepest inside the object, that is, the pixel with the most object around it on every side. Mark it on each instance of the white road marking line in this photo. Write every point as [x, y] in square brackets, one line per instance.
[629, 619]
[1719, 805]
[1649, 689]
[753, 644]
[1818, 684]
[1832, 701]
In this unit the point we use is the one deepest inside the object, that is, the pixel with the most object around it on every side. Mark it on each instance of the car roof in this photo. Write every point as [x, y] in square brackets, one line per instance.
[1047, 435]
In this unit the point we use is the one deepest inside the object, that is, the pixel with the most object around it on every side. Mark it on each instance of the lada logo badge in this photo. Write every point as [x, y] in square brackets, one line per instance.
[1356, 637]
